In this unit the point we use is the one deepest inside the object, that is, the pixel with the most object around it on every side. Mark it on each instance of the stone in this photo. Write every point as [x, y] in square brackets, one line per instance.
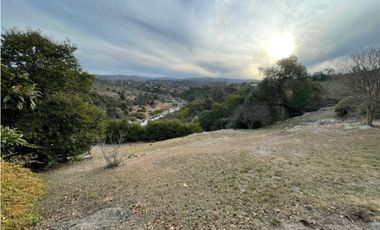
[108, 218]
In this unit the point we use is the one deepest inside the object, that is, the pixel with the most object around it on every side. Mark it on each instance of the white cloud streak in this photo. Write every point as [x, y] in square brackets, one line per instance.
[198, 38]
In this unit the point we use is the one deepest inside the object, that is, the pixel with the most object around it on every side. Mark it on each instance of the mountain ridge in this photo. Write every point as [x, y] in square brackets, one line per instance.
[118, 77]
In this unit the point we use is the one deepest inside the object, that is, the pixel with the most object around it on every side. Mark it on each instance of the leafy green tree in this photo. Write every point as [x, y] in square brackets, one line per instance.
[65, 122]
[288, 84]
[63, 126]
[18, 93]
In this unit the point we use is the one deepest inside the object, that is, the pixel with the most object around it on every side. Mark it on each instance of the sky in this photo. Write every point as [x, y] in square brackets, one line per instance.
[200, 38]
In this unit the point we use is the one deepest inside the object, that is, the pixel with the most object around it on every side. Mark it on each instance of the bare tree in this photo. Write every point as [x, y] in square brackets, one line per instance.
[255, 113]
[362, 74]
[112, 155]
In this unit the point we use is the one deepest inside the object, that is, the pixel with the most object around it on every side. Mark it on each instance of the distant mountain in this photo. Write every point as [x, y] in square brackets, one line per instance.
[202, 80]
[122, 77]
[219, 79]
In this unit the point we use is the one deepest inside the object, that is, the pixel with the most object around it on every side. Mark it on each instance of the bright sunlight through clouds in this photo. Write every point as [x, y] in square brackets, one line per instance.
[281, 46]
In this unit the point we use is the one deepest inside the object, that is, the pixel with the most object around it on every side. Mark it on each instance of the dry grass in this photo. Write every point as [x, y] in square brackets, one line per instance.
[20, 189]
[306, 176]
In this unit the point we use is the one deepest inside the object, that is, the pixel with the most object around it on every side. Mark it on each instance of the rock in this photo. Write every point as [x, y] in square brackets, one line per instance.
[327, 121]
[375, 226]
[108, 218]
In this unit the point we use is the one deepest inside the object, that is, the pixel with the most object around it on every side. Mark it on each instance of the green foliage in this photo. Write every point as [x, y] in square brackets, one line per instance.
[64, 126]
[279, 113]
[345, 107]
[193, 93]
[132, 132]
[154, 131]
[49, 64]
[200, 104]
[208, 118]
[11, 138]
[275, 222]
[18, 93]
[303, 95]
[167, 129]
[66, 122]
[138, 115]
[287, 84]
[287, 90]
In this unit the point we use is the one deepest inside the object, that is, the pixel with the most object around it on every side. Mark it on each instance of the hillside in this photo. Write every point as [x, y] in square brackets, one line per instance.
[307, 172]
[192, 80]
[137, 100]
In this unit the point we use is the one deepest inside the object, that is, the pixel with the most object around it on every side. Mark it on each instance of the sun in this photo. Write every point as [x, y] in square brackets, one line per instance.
[281, 46]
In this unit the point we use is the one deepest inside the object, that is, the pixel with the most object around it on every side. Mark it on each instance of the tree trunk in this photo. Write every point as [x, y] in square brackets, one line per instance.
[370, 114]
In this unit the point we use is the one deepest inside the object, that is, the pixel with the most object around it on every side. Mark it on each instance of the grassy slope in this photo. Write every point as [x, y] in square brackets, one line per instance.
[20, 189]
[290, 176]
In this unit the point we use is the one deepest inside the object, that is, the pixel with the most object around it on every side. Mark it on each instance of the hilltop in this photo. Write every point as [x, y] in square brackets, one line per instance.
[309, 171]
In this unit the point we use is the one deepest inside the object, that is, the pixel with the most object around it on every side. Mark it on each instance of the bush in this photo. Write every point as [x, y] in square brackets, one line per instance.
[138, 115]
[66, 125]
[221, 123]
[344, 107]
[20, 189]
[167, 129]
[132, 132]
[10, 139]
[207, 119]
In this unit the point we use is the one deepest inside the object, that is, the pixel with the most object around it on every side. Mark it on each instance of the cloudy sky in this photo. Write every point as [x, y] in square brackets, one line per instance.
[200, 38]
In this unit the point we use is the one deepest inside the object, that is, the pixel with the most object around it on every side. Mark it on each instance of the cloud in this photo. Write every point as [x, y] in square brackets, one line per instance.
[197, 38]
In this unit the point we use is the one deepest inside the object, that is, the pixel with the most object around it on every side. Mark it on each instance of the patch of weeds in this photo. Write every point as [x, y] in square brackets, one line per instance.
[361, 214]
[278, 173]
[20, 189]
[275, 222]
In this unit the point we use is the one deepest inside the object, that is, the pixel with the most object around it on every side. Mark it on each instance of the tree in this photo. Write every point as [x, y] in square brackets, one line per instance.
[288, 84]
[18, 94]
[255, 115]
[65, 122]
[362, 74]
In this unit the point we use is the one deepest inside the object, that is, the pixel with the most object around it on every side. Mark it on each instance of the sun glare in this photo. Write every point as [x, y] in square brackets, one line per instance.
[281, 46]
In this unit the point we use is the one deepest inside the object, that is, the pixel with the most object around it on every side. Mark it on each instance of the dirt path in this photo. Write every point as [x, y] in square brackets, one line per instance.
[290, 176]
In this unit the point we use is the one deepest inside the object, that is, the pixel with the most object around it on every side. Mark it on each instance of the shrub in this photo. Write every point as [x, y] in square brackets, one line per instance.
[208, 118]
[66, 125]
[167, 129]
[10, 139]
[138, 115]
[344, 107]
[221, 123]
[112, 155]
[133, 132]
[20, 189]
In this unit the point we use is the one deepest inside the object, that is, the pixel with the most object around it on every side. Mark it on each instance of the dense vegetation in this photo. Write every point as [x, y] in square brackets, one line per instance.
[45, 96]
[154, 131]
[286, 91]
